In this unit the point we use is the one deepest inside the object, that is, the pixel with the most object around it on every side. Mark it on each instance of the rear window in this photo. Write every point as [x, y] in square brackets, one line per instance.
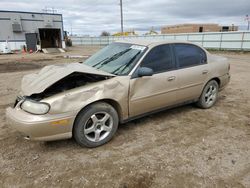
[189, 55]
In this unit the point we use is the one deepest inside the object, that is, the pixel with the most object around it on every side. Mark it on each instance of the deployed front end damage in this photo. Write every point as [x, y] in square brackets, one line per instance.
[61, 92]
[38, 82]
[73, 80]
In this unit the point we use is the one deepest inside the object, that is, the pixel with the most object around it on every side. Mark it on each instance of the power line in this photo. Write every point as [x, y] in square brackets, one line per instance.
[49, 10]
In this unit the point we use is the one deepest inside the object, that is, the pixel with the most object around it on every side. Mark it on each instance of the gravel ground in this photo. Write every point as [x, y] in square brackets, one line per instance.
[181, 147]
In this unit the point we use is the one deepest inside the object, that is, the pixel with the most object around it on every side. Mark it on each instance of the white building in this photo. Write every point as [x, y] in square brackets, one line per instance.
[31, 29]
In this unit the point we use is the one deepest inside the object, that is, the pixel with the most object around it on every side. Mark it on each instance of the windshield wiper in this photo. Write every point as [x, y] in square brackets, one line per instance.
[127, 64]
[113, 57]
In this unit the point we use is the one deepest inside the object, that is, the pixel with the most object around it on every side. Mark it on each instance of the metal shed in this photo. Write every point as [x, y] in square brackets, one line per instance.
[31, 29]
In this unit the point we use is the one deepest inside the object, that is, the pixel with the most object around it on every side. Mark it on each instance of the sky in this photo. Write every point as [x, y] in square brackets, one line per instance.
[91, 17]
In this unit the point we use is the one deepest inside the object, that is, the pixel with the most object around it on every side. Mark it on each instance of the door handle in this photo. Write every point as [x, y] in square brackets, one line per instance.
[204, 71]
[171, 78]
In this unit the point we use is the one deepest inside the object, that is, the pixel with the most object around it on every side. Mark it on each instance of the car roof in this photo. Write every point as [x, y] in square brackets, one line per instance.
[151, 42]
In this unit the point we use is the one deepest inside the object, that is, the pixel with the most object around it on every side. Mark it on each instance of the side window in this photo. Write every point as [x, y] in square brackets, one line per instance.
[189, 55]
[159, 59]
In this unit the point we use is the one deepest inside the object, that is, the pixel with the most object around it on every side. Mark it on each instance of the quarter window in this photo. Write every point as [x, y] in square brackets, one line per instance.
[159, 59]
[189, 55]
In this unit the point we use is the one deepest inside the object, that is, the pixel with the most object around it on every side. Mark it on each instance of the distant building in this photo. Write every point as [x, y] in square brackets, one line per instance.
[195, 28]
[31, 29]
[126, 33]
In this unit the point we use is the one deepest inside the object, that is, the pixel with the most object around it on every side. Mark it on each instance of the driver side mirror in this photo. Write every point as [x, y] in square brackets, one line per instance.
[145, 71]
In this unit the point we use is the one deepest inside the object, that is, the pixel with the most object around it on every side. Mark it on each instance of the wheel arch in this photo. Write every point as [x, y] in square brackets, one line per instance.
[115, 105]
[217, 80]
[111, 102]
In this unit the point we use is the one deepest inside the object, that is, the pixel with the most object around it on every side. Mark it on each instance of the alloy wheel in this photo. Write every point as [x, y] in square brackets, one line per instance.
[211, 95]
[98, 126]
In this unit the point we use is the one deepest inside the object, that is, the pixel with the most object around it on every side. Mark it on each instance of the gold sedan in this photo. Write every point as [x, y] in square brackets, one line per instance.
[123, 81]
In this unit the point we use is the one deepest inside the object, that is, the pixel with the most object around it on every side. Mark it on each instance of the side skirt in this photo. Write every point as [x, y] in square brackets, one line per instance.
[158, 110]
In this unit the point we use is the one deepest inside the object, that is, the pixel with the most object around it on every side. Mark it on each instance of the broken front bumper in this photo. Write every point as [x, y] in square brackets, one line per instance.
[41, 127]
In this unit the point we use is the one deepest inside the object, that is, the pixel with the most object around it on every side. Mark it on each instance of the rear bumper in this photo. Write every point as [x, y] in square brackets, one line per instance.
[224, 80]
[40, 127]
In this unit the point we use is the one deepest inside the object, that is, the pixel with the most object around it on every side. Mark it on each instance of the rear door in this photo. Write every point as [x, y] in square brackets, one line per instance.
[193, 71]
[159, 90]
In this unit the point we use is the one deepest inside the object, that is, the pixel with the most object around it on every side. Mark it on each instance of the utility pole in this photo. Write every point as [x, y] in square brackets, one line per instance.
[71, 29]
[248, 21]
[121, 17]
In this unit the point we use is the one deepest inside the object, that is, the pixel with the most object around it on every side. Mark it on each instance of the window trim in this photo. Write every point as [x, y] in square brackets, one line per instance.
[177, 59]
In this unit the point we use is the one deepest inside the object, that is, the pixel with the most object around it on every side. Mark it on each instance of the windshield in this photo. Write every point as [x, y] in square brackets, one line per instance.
[116, 58]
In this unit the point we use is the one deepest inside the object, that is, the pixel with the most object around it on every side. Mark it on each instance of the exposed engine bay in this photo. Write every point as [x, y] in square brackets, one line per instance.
[74, 80]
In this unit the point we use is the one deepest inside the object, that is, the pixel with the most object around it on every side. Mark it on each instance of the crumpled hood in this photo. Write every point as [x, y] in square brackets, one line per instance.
[38, 82]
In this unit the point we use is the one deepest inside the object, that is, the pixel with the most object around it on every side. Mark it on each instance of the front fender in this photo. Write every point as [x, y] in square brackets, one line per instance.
[115, 89]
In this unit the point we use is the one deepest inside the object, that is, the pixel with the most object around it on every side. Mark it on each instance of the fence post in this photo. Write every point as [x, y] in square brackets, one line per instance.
[221, 40]
[202, 39]
[242, 40]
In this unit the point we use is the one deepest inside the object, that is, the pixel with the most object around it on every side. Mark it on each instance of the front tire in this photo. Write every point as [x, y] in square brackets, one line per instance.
[95, 125]
[209, 95]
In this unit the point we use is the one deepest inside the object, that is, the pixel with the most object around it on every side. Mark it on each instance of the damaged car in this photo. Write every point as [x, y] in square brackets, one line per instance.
[123, 81]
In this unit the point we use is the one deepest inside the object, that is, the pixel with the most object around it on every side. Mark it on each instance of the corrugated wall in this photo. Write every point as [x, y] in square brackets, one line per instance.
[215, 40]
[30, 22]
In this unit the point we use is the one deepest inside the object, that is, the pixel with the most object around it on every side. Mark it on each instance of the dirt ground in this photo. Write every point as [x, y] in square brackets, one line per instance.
[181, 147]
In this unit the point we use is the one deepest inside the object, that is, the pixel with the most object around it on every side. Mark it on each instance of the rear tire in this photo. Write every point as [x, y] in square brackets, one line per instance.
[209, 95]
[95, 125]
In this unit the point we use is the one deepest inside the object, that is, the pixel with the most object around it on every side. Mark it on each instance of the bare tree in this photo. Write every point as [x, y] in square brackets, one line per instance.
[105, 33]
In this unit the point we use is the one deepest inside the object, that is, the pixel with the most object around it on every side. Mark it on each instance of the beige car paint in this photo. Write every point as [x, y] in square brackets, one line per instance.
[130, 97]
[115, 89]
[191, 81]
[151, 93]
[40, 127]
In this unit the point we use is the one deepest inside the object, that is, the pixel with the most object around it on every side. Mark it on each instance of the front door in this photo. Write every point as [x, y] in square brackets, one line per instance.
[154, 92]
